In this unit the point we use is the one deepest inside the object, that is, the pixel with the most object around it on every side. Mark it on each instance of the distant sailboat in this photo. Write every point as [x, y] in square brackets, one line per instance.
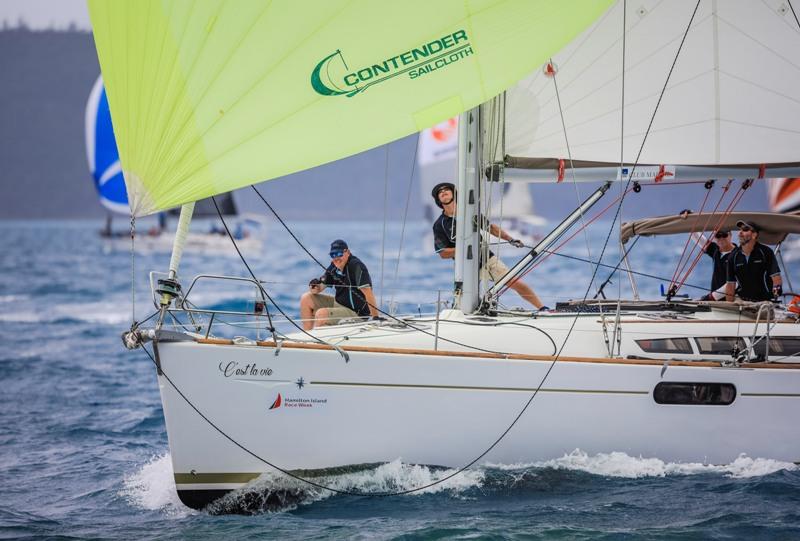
[104, 165]
[102, 155]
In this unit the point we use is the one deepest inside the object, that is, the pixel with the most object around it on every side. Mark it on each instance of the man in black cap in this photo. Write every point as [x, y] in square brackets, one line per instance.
[754, 267]
[444, 240]
[352, 283]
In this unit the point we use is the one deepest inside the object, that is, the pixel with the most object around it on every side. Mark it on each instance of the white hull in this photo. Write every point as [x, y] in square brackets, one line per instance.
[445, 408]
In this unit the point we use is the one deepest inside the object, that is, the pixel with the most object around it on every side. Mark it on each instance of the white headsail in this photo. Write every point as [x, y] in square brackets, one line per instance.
[730, 101]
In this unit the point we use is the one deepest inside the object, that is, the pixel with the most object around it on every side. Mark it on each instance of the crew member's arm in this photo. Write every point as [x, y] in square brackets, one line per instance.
[775, 274]
[499, 233]
[704, 243]
[730, 285]
[373, 304]
[730, 291]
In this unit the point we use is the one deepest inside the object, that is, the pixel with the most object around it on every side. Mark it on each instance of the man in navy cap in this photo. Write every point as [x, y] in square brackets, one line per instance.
[754, 267]
[444, 240]
[352, 284]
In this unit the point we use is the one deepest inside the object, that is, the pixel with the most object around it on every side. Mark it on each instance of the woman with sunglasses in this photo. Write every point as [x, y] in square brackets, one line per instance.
[353, 291]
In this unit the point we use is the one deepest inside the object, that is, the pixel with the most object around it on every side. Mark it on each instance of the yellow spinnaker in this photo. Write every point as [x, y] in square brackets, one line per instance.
[207, 96]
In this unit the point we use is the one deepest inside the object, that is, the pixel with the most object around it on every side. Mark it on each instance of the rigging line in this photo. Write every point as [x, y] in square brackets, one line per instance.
[288, 230]
[315, 483]
[647, 132]
[133, 270]
[267, 295]
[794, 13]
[681, 264]
[622, 131]
[533, 264]
[607, 266]
[597, 267]
[575, 184]
[571, 163]
[728, 211]
[405, 217]
[734, 201]
[385, 212]
[680, 268]
[390, 316]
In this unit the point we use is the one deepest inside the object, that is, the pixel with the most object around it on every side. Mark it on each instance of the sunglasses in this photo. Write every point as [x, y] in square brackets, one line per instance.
[720, 234]
[745, 228]
[338, 253]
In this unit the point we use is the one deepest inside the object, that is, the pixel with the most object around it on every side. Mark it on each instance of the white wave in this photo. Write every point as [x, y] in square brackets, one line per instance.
[396, 476]
[619, 464]
[152, 487]
[283, 493]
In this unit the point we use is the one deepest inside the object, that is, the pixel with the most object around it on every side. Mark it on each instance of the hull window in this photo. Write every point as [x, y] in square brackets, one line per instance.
[782, 347]
[722, 345]
[666, 345]
[695, 394]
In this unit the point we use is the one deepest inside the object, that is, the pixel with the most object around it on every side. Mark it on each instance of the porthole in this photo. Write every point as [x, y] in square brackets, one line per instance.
[694, 394]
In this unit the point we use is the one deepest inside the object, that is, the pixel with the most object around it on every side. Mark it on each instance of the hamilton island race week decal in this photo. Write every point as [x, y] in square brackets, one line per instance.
[333, 77]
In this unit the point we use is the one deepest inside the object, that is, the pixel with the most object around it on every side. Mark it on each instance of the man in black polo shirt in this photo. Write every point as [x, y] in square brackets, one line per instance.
[352, 284]
[754, 267]
[444, 240]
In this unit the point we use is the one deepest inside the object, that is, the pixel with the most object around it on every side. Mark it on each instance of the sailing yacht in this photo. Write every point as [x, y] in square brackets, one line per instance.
[210, 97]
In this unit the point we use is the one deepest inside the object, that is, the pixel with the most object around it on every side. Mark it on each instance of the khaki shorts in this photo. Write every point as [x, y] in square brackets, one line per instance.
[336, 312]
[494, 269]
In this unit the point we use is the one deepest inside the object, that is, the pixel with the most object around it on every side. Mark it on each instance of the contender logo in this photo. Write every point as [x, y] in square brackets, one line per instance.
[333, 77]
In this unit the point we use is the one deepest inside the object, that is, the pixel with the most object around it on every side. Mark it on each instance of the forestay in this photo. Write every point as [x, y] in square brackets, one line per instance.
[731, 100]
[208, 96]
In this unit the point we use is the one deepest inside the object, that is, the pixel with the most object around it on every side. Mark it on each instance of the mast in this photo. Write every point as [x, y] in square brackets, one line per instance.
[467, 260]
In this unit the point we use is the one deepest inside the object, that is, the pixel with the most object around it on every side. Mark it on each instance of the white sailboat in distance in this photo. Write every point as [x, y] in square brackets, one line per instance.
[211, 96]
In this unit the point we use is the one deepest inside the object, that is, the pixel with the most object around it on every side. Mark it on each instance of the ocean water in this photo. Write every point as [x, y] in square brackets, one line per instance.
[83, 448]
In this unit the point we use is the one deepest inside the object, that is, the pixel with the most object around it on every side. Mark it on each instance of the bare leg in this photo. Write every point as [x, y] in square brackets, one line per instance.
[526, 293]
[321, 317]
[307, 310]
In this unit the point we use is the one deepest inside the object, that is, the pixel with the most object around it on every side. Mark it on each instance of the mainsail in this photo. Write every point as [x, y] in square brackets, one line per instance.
[731, 99]
[209, 96]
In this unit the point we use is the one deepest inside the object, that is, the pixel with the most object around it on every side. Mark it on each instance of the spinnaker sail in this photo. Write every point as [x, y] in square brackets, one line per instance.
[208, 96]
